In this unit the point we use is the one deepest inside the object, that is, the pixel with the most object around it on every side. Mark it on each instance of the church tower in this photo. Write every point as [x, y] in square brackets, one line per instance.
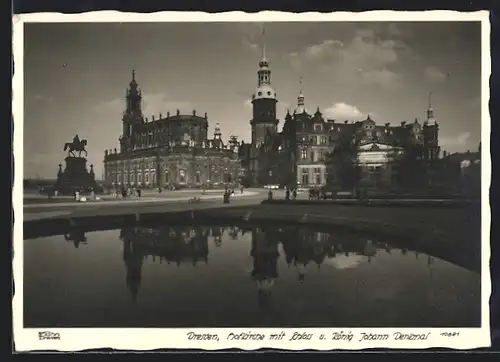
[132, 116]
[264, 101]
[431, 134]
[430, 111]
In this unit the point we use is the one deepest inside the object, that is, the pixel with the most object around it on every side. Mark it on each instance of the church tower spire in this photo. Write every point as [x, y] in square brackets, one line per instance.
[132, 116]
[264, 101]
[134, 98]
[301, 108]
[430, 110]
[264, 73]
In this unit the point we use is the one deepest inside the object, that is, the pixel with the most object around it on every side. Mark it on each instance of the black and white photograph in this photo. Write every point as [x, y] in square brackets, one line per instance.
[212, 179]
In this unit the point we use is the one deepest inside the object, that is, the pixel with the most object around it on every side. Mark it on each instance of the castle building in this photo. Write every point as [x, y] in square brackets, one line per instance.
[313, 144]
[172, 150]
[297, 154]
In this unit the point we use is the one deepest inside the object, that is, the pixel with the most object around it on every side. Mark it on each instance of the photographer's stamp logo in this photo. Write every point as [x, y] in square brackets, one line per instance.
[45, 335]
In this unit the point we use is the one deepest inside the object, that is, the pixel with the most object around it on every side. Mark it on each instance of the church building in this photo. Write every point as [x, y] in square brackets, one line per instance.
[174, 150]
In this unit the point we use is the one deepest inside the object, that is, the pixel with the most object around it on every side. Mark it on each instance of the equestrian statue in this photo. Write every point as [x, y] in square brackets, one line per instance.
[76, 146]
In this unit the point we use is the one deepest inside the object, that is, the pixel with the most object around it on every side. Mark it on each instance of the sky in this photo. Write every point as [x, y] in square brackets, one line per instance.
[76, 75]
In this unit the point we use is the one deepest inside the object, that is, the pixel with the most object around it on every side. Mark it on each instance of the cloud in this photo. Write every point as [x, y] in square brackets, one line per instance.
[42, 98]
[345, 262]
[344, 112]
[367, 56]
[161, 103]
[434, 74]
[252, 35]
[319, 50]
[456, 143]
[381, 77]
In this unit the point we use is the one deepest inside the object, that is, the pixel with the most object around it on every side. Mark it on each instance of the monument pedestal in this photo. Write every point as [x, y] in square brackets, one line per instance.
[76, 177]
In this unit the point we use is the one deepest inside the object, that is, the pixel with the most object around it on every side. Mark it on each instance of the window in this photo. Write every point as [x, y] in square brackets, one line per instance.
[153, 177]
[182, 176]
[305, 176]
[146, 177]
[132, 178]
[303, 154]
[139, 178]
[321, 155]
[323, 140]
[318, 127]
[313, 154]
[166, 177]
[198, 177]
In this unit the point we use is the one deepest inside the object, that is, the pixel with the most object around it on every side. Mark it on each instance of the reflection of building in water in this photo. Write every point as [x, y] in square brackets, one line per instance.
[304, 246]
[216, 234]
[173, 245]
[77, 237]
[265, 264]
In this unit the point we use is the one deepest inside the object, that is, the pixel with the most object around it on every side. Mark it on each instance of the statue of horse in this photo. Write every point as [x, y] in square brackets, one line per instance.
[78, 146]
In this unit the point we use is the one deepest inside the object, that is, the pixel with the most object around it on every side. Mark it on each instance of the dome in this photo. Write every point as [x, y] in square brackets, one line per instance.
[265, 91]
[368, 123]
[301, 109]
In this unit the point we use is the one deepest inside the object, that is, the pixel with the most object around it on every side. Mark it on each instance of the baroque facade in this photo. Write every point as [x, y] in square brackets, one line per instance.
[170, 151]
[296, 155]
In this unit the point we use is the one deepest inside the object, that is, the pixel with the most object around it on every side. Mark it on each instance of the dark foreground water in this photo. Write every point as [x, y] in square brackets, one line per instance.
[223, 277]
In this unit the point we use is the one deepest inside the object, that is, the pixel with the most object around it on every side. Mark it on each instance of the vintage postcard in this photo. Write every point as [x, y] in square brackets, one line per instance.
[270, 180]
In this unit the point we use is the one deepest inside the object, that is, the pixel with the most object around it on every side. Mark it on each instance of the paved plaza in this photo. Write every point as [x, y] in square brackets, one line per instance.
[168, 201]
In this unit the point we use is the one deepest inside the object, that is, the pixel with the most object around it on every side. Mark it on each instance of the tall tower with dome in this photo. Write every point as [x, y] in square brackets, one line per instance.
[264, 102]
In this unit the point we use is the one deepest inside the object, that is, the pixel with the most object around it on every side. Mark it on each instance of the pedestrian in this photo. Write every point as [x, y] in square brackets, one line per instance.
[287, 194]
[294, 194]
[138, 192]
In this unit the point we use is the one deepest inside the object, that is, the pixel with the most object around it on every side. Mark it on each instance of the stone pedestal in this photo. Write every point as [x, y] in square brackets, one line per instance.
[76, 177]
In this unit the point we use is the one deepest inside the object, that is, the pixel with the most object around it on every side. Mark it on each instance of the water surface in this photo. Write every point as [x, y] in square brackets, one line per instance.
[234, 277]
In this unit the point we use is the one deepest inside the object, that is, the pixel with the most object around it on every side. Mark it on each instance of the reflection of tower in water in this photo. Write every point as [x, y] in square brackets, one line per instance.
[133, 257]
[265, 265]
[175, 245]
[303, 247]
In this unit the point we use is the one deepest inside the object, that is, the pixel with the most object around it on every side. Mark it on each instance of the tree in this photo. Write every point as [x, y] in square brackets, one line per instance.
[412, 167]
[342, 162]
